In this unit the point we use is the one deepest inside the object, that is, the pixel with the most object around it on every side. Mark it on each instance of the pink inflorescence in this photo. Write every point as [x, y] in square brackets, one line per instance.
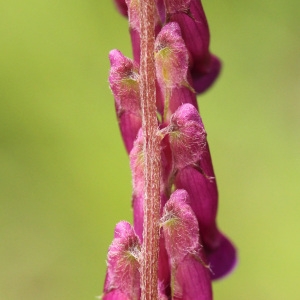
[193, 251]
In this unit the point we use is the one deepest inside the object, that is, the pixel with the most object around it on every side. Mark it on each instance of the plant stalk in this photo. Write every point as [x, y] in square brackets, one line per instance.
[152, 164]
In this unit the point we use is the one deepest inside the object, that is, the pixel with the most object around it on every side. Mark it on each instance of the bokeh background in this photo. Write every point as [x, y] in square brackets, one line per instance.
[64, 174]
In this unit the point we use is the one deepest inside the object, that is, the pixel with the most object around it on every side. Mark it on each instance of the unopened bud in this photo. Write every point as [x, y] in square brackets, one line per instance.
[187, 136]
[124, 82]
[171, 57]
[123, 262]
[180, 227]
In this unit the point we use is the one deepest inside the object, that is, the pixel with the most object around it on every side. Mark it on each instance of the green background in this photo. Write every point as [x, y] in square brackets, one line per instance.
[64, 175]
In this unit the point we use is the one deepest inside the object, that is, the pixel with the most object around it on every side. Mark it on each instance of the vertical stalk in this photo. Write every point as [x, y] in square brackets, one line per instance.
[149, 265]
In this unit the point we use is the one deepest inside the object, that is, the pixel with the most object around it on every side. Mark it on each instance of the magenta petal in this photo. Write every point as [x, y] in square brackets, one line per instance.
[203, 194]
[222, 259]
[138, 214]
[164, 272]
[181, 95]
[202, 189]
[205, 67]
[160, 4]
[191, 27]
[122, 7]
[192, 280]
[204, 78]
[130, 125]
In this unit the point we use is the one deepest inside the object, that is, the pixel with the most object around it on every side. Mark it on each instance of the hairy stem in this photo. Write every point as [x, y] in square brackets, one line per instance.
[149, 265]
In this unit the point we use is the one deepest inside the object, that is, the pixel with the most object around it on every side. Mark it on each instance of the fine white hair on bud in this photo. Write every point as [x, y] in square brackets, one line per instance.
[171, 57]
[124, 82]
[187, 136]
[123, 262]
[180, 227]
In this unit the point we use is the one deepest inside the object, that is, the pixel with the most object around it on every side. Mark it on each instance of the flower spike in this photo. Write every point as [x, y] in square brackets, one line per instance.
[155, 100]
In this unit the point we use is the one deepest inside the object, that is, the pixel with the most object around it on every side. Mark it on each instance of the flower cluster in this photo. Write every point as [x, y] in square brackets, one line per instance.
[193, 251]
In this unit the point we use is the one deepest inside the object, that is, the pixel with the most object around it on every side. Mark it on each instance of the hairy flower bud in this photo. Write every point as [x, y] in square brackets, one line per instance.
[180, 227]
[123, 263]
[191, 278]
[171, 57]
[124, 83]
[187, 136]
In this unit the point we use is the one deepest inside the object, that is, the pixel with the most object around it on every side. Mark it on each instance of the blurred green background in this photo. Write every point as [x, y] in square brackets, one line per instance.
[64, 174]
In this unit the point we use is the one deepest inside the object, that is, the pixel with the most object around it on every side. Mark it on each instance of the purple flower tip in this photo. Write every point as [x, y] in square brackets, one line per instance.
[222, 259]
[204, 78]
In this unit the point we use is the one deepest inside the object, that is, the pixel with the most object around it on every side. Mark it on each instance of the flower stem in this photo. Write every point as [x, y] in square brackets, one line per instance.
[152, 165]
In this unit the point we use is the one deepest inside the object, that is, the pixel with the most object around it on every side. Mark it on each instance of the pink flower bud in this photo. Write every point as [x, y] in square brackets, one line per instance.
[123, 264]
[171, 57]
[187, 136]
[180, 227]
[124, 83]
